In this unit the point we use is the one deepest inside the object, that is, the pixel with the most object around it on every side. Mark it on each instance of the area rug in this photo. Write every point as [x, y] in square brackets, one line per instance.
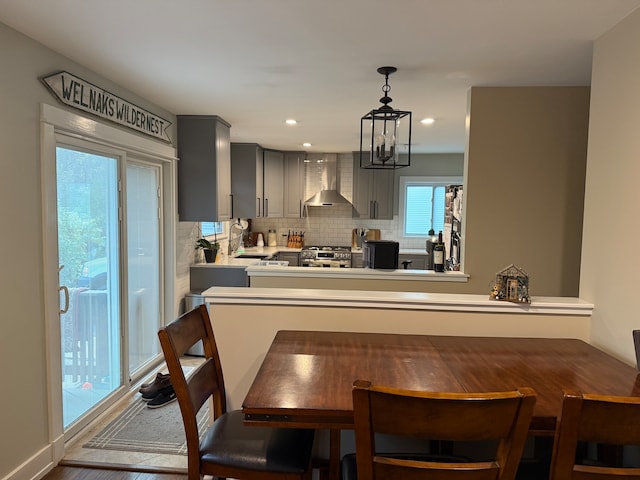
[153, 430]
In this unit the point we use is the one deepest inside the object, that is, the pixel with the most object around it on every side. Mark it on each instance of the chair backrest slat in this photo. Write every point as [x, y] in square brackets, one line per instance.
[636, 345]
[501, 416]
[601, 419]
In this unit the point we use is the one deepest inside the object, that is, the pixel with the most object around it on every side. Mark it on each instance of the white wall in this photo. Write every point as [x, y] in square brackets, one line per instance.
[610, 259]
[24, 445]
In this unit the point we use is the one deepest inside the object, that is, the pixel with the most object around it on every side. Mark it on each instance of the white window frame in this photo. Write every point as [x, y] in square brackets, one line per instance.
[222, 234]
[422, 180]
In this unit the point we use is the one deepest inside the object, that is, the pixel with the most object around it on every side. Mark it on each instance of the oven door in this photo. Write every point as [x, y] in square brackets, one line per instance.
[322, 263]
[326, 263]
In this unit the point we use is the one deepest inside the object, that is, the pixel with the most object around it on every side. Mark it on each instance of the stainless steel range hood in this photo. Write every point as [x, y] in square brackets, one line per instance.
[326, 198]
[325, 172]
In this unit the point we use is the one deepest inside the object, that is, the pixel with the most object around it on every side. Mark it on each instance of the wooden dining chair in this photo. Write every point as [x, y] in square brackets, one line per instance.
[503, 417]
[636, 346]
[227, 448]
[602, 419]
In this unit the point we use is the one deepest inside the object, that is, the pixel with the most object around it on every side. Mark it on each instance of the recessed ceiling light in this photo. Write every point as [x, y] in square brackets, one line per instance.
[306, 144]
[290, 121]
[427, 121]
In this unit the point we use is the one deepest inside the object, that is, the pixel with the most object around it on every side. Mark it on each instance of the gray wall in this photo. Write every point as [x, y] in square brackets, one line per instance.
[432, 164]
[526, 160]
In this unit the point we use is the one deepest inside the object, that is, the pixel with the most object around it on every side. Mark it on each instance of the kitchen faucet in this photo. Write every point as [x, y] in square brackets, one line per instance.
[235, 240]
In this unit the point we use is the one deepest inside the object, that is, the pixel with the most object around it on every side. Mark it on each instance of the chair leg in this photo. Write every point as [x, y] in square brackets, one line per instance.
[322, 465]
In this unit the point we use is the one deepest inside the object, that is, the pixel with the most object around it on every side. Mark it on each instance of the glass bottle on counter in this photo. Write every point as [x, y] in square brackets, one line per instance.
[438, 254]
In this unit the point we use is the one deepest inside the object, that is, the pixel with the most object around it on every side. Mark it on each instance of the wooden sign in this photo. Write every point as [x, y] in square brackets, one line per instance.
[80, 94]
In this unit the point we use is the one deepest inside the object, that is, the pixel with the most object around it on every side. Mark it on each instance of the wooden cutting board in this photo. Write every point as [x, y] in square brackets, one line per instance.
[372, 234]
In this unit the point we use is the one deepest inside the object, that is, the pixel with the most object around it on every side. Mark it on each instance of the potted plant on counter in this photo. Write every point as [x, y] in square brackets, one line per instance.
[210, 249]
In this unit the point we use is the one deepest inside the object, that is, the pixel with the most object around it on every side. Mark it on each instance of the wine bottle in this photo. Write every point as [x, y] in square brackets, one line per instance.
[438, 254]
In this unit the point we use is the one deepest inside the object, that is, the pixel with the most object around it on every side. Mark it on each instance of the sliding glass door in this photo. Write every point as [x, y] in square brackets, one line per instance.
[89, 259]
[144, 266]
[109, 252]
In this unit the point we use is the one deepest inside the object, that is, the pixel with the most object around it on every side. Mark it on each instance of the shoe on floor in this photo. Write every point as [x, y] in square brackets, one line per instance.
[161, 381]
[159, 376]
[162, 399]
[148, 396]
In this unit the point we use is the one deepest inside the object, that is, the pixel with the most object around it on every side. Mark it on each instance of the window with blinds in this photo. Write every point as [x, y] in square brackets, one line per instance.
[422, 204]
[210, 228]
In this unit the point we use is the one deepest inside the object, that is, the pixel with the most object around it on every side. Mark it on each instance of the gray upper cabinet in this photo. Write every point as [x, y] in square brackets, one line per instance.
[293, 184]
[372, 191]
[273, 184]
[204, 169]
[247, 180]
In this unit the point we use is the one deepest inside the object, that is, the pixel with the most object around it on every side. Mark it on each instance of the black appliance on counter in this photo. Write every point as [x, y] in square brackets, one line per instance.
[380, 254]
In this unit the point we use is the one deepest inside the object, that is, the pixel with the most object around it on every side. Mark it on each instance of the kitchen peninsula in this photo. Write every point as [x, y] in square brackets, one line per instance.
[249, 269]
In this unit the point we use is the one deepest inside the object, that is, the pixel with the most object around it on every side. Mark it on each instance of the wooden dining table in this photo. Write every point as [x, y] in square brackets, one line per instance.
[306, 377]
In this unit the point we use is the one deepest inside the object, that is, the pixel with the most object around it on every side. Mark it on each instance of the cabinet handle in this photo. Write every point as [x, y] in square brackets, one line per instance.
[372, 213]
[231, 195]
[258, 200]
[300, 208]
[266, 207]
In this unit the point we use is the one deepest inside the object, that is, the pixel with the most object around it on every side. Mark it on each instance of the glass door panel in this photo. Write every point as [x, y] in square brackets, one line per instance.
[88, 240]
[143, 245]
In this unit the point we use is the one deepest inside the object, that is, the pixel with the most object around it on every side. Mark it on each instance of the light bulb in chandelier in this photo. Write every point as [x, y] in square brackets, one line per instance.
[385, 146]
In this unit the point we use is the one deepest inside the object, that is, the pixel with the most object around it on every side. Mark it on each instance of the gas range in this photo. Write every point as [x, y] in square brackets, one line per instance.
[326, 256]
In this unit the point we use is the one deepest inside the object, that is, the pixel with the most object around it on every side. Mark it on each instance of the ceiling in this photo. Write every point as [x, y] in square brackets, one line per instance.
[256, 63]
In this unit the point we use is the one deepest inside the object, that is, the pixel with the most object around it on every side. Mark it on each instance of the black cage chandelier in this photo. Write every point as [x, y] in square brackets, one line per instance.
[381, 137]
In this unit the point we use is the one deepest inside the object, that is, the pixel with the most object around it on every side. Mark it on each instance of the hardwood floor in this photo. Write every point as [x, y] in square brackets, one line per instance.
[82, 473]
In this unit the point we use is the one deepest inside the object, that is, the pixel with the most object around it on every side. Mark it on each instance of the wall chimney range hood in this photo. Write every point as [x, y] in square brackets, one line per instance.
[323, 172]
[326, 198]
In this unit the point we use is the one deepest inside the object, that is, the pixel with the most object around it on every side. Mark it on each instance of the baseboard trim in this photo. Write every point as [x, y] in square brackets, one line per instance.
[35, 467]
[123, 467]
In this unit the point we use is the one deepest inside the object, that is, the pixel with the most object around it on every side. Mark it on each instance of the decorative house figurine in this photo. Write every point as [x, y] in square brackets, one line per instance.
[511, 285]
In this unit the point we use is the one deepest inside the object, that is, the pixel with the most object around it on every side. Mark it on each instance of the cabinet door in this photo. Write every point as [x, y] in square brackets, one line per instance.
[247, 179]
[204, 169]
[293, 184]
[291, 257]
[418, 262]
[372, 191]
[273, 184]
[382, 193]
[223, 153]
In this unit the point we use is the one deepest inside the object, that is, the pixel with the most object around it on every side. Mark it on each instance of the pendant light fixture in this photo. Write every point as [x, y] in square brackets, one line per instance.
[381, 137]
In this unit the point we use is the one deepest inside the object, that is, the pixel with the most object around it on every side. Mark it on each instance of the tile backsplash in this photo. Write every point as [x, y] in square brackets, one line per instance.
[332, 226]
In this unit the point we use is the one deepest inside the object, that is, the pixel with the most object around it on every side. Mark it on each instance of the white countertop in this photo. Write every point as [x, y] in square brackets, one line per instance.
[234, 261]
[396, 300]
[356, 273]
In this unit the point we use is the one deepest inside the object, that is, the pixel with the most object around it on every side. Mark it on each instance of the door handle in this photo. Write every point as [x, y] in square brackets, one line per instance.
[63, 288]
